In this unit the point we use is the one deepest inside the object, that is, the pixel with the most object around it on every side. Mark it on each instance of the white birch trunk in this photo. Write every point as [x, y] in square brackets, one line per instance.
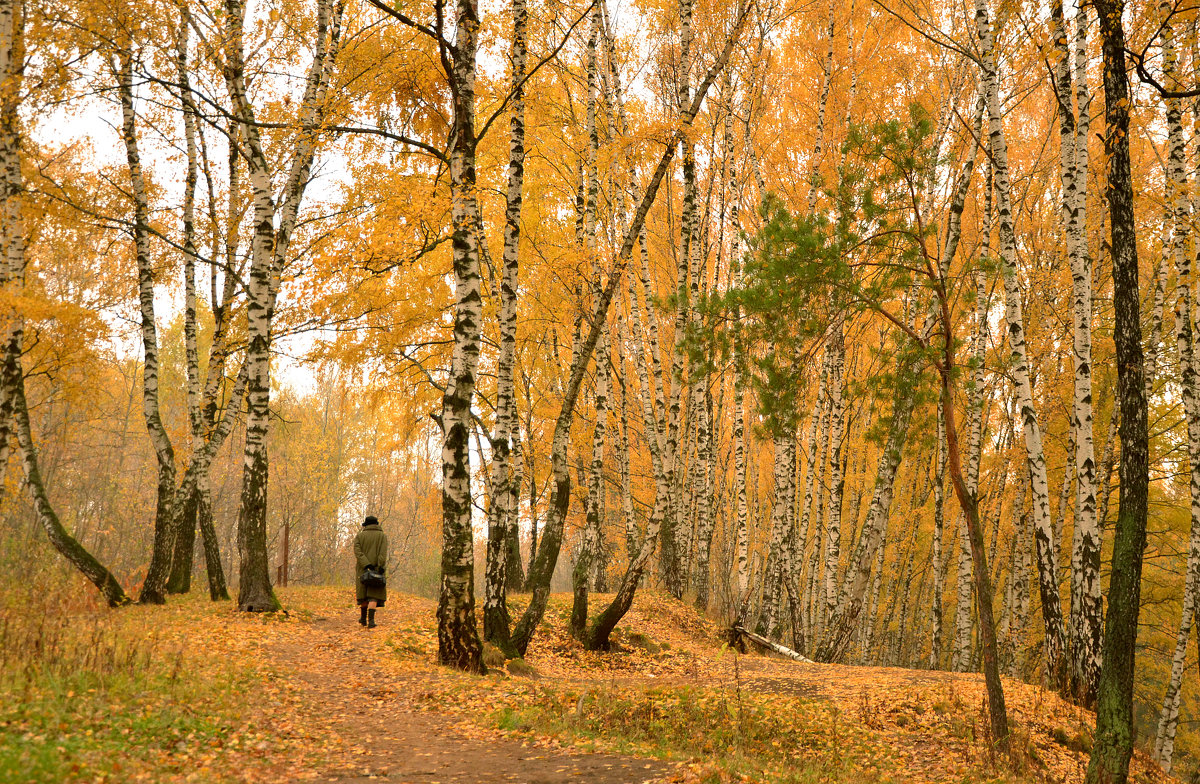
[154, 585]
[503, 510]
[939, 526]
[1086, 607]
[837, 485]
[1178, 196]
[1043, 526]
[594, 507]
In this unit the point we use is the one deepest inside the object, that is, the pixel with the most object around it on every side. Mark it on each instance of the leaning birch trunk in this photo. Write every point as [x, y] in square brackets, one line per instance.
[154, 586]
[560, 499]
[503, 509]
[1164, 741]
[12, 276]
[1086, 608]
[598, 634]
[1044, 531]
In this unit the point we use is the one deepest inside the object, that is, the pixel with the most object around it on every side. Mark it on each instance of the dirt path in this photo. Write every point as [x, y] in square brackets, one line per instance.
[375, 730]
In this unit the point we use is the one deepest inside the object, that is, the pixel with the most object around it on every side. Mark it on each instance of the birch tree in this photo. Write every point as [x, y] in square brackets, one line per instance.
[154, 585]
[1178, 193]
[1047, 548]
[1073, 165]
[267, 257]
[503, 511]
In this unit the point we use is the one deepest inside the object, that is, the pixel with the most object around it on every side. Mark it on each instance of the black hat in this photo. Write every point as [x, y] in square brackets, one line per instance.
[370, 520]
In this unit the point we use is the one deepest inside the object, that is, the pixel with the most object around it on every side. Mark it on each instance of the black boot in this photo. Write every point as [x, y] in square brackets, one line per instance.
[370, 619]
[362, 618]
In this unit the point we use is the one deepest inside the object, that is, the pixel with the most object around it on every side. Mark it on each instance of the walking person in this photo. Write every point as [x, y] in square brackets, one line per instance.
[371, 556]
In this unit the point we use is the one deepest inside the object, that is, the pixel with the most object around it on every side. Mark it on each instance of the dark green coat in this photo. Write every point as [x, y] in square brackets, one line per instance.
[370, 547]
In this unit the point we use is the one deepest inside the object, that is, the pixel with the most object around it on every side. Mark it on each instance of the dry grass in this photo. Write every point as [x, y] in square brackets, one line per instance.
[187, 692]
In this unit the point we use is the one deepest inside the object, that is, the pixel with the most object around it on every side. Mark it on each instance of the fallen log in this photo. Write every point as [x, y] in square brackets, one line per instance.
[774, 647]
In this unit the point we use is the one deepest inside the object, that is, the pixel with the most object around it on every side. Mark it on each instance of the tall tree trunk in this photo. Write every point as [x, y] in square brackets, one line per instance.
[1113, 745]
[254, 580]
[976, 407]
[1018, 581]
[595, 492]
[180, 579]
[739, 413]
[503, 510]
[458, 637]
[154, 586]
[1047, 548]
[939, 537]
[1085, 549]
[1178, 197]
[268, 249]
[773, 575]
[217, 591]
[705, 520]
[673, 554]
[837, 485]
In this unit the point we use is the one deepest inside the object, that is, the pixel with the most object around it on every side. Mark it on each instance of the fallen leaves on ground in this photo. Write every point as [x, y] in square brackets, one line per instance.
[220, 696]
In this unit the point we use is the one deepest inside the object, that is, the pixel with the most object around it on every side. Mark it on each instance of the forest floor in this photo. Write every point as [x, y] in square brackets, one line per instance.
[197, 692]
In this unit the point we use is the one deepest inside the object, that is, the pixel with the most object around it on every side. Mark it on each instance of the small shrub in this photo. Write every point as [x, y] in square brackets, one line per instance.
[639, 640]
[521, 669]
[493, 657]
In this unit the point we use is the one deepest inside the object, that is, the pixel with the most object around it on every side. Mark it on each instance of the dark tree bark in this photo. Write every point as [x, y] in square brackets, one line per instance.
[1114, 700]
[180, 579]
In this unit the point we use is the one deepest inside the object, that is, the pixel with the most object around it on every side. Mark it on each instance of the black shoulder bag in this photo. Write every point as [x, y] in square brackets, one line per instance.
[372, 576]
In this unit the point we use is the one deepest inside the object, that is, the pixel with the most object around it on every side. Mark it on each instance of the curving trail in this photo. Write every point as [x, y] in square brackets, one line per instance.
[376, 731]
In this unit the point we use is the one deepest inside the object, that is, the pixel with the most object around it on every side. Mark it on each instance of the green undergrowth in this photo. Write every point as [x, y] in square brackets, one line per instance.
[775, 739]
[104, 696]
